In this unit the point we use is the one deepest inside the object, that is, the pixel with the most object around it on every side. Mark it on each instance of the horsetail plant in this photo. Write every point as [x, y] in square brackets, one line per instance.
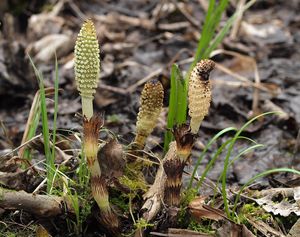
[87, 68]
[151, 105]
[199, 93]
[175, 161]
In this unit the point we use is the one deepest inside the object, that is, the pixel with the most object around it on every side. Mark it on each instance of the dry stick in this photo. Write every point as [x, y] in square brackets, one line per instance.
[29, 122]
[76, 10]
[40, 205]
[116, 18]
[156, 14]
[257, 85]
[204, 4]
[114, 89]
[190, 18]
[268, 105]
[235, 75]
[241, 78]
[23, 145]
[237, 23]
[174, 26]
[133, 87]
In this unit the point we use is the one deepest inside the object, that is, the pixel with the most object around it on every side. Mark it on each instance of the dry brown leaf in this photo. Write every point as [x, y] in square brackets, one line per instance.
[264, 228]
[230, 229]
[198, 211]
[42, 232]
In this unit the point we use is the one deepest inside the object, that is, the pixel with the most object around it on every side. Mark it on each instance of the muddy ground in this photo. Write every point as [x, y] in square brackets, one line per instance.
[139, 41]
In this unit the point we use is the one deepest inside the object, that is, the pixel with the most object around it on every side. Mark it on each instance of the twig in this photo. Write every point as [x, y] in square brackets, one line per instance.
[191, 19]
[24, 144]
[133, 87]
[237, 23]
[76, 10]
[114, 89]
[174, 26]
[204, 4]
[40, 205]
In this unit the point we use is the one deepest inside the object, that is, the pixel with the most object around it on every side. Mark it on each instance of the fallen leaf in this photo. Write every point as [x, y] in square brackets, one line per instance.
[280, 201]
[198, 211]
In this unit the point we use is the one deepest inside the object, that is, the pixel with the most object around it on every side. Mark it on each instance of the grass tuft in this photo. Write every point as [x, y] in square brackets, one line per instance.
[50, 167]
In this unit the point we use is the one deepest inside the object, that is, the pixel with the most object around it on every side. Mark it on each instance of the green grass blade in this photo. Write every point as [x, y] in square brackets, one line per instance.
[248, 149]
[216, 155]
[204, 34]
[177, 104]
[220, 36]
[55, 109]
[219, 134]
[226, 163]
[212, 20]
[45, 128]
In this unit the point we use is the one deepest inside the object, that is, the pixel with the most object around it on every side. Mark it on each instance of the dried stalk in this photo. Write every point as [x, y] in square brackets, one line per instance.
[40, 205]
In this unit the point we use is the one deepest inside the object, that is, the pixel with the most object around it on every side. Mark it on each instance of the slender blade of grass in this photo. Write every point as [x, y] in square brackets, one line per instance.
[219, 134]
[220, 36]
[45, 128]
[204, 36]
[177, 104]
[212, 20]
[248, 149]
[55, 109]
[217, 154]
[226, 162]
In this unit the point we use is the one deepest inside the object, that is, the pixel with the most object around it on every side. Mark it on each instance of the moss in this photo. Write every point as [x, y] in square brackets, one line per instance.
[133, 177]
[201, 227]
[142, 223]
[121, 201]
[188, 196]
[252, 210]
